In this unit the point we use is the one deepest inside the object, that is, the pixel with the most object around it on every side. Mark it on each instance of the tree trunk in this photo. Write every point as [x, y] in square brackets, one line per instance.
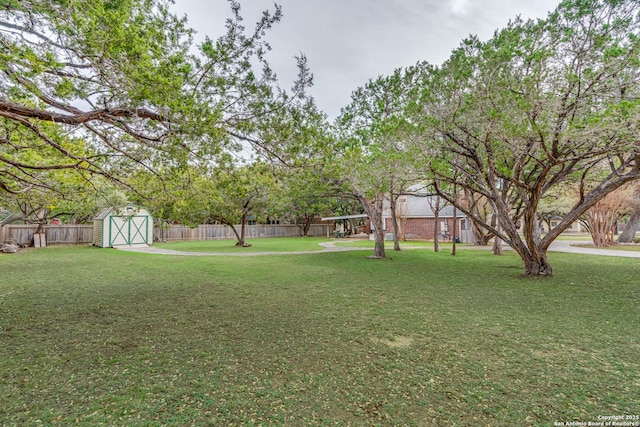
[304, 226]
[497, 244]
[537, 230]
[377, 219]
[378, 251]
[537, 265]
[629, 232]
[235, 232]
[243, 225]
[479, 236]
[533, 253]
[603, 216]
[436, 226]
[602, 222]
[374, 212]
[394, 220]
[230, 225]
[455, 226]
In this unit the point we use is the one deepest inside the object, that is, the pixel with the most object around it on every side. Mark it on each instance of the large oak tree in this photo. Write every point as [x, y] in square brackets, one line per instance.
[540, 104]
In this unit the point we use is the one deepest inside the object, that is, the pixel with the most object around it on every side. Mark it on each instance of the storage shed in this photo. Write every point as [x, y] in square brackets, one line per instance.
[123, 225]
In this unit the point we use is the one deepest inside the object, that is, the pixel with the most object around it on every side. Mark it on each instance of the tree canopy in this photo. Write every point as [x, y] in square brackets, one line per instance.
[378, 159]
[87, 86]
[109, 87]
[540, 104]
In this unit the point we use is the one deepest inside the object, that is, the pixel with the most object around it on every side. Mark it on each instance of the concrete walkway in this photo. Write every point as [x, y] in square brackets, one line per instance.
[328, 247]
[557, 246]
[572, 247]
[566, 246]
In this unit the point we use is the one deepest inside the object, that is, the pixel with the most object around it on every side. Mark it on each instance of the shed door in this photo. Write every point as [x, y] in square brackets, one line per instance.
[128, 230]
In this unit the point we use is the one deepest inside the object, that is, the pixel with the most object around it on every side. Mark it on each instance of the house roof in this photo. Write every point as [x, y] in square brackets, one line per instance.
[417, 203]
[420, 207]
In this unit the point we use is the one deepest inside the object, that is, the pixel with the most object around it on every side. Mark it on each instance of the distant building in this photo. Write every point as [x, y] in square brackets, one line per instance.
[416, 218]
[575, 227]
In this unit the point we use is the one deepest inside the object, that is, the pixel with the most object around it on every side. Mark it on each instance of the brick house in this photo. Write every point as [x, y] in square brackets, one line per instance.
[416, 219]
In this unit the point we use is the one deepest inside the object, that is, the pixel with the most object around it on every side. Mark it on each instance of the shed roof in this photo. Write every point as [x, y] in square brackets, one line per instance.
[107, 211]
[417, 202]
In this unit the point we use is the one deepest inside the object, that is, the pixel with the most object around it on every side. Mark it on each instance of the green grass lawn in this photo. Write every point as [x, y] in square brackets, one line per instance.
[367, 243]
[103, 337]
[280, 244]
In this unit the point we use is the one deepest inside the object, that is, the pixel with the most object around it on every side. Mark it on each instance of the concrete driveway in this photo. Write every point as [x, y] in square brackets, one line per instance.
[566, 246]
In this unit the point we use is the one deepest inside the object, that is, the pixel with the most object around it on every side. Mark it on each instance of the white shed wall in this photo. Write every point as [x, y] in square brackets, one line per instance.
[118, 230]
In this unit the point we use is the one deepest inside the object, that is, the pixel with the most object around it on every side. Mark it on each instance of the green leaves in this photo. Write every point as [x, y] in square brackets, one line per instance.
[123, 77]
[109, 68]
[536, 107]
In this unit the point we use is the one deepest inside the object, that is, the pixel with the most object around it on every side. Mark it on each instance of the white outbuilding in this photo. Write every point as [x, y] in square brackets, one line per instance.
[123, 225]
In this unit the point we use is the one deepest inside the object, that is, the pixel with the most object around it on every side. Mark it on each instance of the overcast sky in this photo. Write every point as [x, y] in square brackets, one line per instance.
[347, 42]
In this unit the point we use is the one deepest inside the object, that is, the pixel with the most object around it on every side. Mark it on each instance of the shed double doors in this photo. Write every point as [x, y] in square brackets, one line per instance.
[128, 230]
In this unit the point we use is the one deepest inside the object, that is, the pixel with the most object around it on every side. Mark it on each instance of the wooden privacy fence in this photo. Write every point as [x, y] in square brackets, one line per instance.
[217, 232]
[54, 234]
[83, 233]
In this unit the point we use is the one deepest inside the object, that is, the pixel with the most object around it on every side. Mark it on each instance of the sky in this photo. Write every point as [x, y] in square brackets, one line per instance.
[348, 42]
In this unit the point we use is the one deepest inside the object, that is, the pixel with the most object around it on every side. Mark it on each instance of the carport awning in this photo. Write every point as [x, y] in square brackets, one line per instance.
[334, 218]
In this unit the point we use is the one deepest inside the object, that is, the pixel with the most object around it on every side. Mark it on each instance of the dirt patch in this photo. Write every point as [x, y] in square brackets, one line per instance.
[398, 341]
